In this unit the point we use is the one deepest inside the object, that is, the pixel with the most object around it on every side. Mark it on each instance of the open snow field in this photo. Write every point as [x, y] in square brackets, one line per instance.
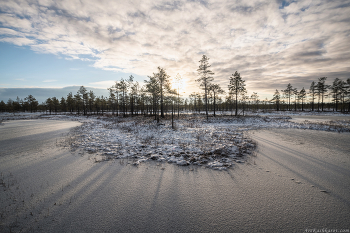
[295, 180]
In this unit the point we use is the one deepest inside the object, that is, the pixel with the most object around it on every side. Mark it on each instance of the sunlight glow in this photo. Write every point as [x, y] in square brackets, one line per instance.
[178, 83]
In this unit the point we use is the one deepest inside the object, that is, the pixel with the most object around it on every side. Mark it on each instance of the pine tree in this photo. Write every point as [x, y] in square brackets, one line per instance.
[288, 92]
[49, 104]
[296, 96]
[312, 92]
[302, 96]
[55, 103]
[236, 87]
[205, 79]
[84, 97]
[322, 89]
[31, 102]
[63, 104]
[2, 106]
[347, 92]
[164, 87]
[276, 98]
[152, 86]
[134, 90]
[336, 92]
[123, 88]
[216, 90]
[255, 99]
[70, 102]
[343, 87]
[91, 100]
[77, 100]
[111, 99]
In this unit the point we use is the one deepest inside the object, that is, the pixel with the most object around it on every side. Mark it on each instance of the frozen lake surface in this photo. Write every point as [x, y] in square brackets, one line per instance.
[298, 180]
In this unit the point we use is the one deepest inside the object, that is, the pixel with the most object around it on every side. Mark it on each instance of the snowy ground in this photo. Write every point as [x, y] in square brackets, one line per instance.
[5, 116]
[193, 141]
[219, 143]
[299, 180]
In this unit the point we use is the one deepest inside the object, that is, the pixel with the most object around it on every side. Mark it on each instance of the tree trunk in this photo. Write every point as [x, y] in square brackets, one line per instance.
[236, 112]
[206, 102]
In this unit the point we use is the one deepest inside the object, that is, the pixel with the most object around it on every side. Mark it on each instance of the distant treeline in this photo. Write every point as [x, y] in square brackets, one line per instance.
[158, 97]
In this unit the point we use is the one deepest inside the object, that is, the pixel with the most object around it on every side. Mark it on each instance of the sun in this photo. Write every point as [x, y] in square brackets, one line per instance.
[178, 83]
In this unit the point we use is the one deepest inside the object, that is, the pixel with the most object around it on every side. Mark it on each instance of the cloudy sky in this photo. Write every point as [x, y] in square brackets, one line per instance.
[270, 43]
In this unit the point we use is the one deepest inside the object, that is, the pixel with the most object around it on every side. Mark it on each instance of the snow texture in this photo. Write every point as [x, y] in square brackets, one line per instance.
[218, 144]
[193, 141]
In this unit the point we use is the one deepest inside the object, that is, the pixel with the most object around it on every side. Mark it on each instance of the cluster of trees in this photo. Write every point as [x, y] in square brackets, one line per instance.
[82, 102]
[339, 92]
[158, 97]
[28, 104]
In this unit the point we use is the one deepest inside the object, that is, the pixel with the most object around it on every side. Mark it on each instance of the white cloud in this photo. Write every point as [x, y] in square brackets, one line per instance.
[49, 81]
[257, 38]
[18, 41]
[103, 84]
[9, 32]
